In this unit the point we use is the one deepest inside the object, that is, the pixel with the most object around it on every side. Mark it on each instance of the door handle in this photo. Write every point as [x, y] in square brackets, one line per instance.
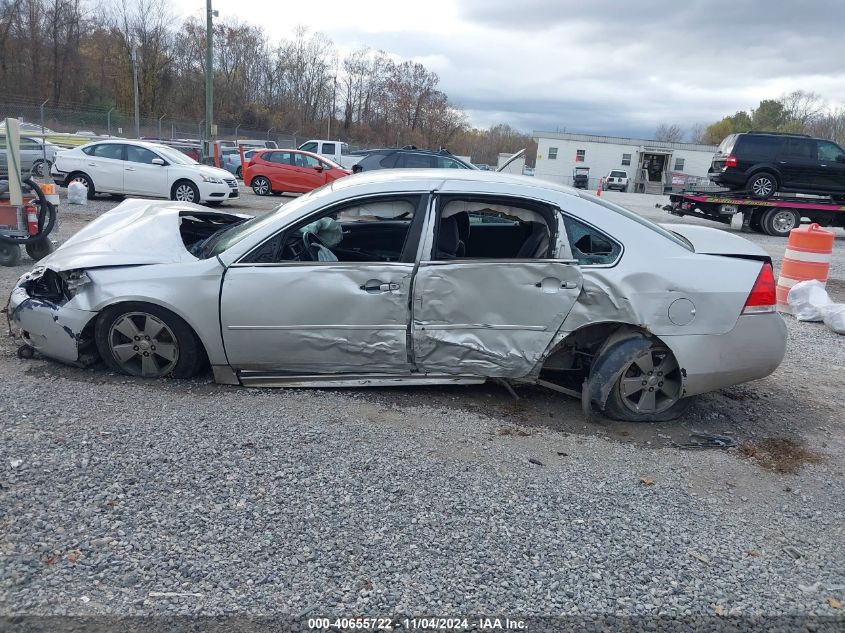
[92, 164]
[376, 285]
[569, 285]
[822, 165]
[130, 169]
[782, 162]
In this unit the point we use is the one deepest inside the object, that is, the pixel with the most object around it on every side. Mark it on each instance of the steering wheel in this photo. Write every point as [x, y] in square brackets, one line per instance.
[311, 242]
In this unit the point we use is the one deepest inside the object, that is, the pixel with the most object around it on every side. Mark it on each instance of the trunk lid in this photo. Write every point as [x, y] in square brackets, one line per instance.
[710, 241]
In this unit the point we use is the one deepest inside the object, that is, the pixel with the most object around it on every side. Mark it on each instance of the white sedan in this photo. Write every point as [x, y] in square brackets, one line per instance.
[138, 168]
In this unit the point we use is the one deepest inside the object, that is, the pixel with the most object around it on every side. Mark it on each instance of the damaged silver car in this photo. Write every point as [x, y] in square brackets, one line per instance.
[414, 278]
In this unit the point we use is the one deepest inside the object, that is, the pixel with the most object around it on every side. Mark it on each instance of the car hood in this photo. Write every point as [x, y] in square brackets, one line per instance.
[135, 232]
[711, 241]
[214, 172]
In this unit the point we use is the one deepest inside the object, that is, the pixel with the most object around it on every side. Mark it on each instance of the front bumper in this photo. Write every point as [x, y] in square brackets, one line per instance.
[53, 330]
[211, 192]
[753, 349]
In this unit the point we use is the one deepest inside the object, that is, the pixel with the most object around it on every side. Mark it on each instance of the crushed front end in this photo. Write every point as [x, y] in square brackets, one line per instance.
[38, 308]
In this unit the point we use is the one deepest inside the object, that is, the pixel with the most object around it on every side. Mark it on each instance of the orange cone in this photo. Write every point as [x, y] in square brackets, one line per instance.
[598, 191]
[807, 256]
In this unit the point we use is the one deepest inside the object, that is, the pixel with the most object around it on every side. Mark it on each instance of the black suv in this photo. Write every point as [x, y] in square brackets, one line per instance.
[764, 163]
[409, 157]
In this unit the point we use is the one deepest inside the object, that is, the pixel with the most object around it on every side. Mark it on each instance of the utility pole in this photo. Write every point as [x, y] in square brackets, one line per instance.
[135, 83]
[209, 76]
[43, 142]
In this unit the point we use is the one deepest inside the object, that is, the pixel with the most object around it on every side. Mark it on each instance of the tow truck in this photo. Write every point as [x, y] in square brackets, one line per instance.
[773, 216]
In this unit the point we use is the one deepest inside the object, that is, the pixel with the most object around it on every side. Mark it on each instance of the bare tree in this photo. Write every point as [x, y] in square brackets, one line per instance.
[670, 133]
[802, 107]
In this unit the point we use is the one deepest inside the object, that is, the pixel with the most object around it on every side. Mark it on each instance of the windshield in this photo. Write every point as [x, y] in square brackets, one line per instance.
[175, 156]
[231, 235]
[641, 220]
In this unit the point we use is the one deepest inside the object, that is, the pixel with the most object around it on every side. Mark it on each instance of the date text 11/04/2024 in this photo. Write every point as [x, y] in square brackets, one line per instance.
[422, 624]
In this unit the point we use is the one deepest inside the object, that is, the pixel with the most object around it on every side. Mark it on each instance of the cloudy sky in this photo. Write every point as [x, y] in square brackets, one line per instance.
[607, 67]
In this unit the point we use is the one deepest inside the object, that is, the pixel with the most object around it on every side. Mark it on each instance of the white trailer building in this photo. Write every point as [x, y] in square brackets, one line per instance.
[652, 166]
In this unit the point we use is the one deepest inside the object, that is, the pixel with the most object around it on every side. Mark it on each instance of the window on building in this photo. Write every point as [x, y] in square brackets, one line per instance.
[679, 164]
[552, 153]
[580, 155]
[626, 159]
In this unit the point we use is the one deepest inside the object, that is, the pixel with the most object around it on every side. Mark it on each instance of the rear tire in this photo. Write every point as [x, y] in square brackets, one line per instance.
[658, 400]
[146, 340]
[779, 222]
[261, 186]
[762, 185]
[40, 169]
[85, 179]
[239, 173]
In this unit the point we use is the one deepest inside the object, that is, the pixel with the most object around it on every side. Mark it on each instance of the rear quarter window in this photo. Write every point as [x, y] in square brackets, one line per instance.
[758, 147]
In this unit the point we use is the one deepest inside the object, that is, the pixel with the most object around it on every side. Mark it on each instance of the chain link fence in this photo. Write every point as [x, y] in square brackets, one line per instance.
[85, 120]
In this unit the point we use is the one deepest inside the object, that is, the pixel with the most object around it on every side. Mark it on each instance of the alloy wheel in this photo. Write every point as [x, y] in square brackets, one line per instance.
[763, 186]
[185, 193]
[261, 186]
[652, 382]
[143, 345]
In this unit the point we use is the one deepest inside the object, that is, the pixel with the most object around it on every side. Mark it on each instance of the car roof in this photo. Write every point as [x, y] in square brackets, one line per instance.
[417, 177]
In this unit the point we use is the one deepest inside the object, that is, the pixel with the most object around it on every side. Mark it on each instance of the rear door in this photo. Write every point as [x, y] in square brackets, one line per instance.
[490, 316]
[798, 163]
[277, 167]
[105, 164]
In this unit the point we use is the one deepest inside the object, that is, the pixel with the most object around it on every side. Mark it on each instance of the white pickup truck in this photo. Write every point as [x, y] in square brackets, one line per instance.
[338, 151]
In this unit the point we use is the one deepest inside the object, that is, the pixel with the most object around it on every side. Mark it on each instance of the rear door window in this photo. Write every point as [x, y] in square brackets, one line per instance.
[108, 150]
[280, 158]
[389, 161]
[416, 161]
[328, 148]
[801, 149]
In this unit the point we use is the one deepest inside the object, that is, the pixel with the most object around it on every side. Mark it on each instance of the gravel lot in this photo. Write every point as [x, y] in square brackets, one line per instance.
[122, 496]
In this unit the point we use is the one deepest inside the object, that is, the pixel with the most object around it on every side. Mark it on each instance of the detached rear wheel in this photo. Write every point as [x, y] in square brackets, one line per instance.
[650, 388]
[146, 340]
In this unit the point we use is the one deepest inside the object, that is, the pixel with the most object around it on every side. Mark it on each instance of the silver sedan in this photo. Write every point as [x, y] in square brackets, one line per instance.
[414, 278]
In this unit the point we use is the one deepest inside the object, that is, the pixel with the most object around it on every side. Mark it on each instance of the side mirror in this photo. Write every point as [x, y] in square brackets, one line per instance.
[158, 161]
[318, 168]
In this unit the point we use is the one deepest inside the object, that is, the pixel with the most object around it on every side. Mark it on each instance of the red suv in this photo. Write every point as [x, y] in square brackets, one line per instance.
[289, 171]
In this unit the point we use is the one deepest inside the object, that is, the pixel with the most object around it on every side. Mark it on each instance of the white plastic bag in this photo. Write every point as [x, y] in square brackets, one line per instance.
[833, 315]
[77, 193]
[806, 299]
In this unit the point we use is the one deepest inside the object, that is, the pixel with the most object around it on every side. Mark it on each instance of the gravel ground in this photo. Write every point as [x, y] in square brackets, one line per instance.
[116, 494]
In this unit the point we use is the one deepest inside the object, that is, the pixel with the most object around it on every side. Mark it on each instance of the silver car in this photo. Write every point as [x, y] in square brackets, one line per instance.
[37, 156]
[414, 278]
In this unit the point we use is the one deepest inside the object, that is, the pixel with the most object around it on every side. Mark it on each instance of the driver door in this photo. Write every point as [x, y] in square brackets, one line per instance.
[283, 311]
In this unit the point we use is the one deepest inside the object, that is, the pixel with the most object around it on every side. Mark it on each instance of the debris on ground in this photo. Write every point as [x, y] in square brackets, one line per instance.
[834, 603]
[700, 557]
[645, 481]
[513, 430]
[781, 455]
[707, 440]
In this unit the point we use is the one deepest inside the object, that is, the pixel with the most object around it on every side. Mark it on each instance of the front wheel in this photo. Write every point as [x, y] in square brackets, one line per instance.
[239, 173]
[762, 185]
[185, 191]
[261, 186]
[649, 389]
[146, 340]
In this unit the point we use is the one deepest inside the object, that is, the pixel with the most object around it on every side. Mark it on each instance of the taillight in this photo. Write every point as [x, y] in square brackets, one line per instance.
[731, 161]
[762, 297]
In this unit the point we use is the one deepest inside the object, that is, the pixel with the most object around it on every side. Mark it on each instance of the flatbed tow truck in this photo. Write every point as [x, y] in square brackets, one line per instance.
[774, 216]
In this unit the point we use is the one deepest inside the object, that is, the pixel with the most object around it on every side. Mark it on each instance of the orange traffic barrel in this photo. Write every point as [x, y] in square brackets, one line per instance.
[807, 256]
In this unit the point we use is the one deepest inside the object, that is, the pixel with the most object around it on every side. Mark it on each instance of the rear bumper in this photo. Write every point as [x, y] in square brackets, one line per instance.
[727, 177]
[752, 350]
